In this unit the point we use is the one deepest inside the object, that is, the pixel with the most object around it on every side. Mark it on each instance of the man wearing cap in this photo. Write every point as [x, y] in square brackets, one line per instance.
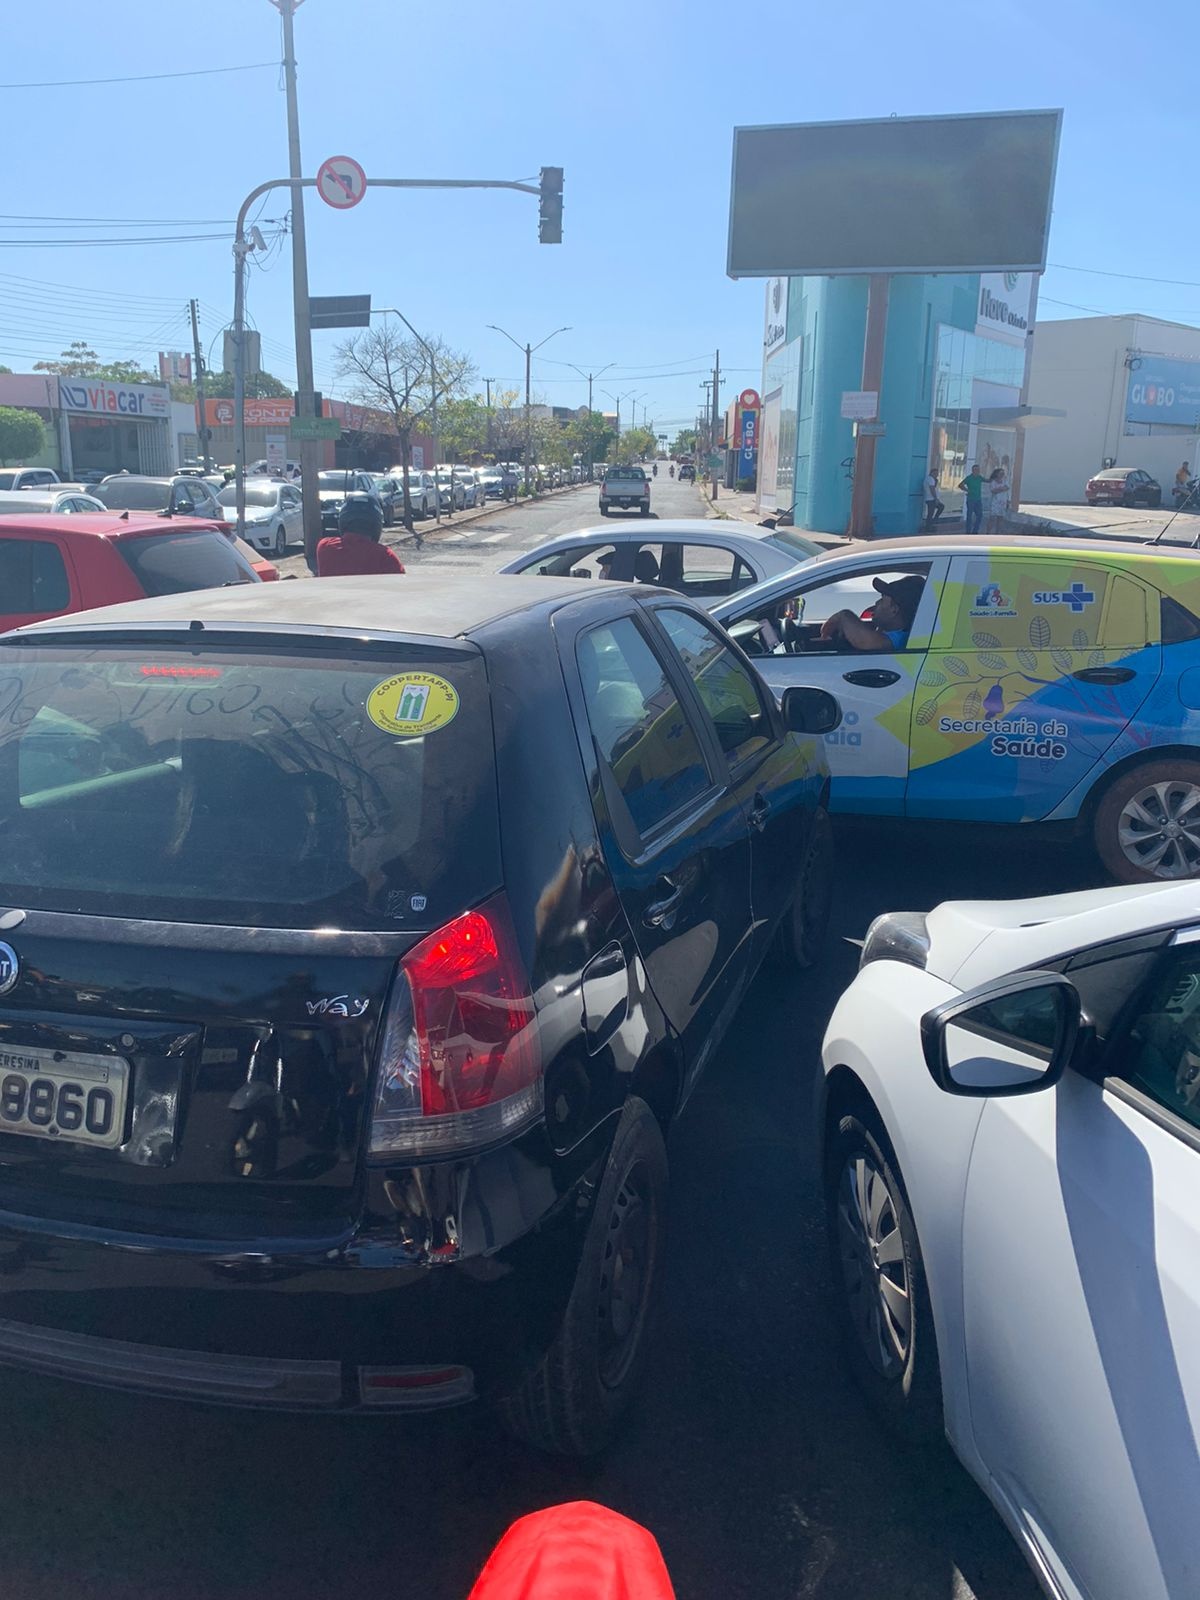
[356, 549]
[891, 617]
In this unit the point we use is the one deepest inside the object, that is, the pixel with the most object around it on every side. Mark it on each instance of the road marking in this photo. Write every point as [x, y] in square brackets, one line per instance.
[495, 538]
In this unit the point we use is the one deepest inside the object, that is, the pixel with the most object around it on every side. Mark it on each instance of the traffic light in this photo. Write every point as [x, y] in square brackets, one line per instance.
[550, 206]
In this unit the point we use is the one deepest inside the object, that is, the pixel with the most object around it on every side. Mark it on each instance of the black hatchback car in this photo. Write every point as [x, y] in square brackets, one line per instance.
[370, 1111]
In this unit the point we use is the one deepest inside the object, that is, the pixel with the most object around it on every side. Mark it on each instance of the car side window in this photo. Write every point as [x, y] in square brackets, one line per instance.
[709, 570]
[640, 729]
[727, 689]
[33, 577]
[1159, 1052]
[792, 623]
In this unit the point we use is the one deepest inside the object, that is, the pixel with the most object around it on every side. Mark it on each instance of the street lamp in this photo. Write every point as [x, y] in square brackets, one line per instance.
[391, 311]
[618, 398]
[529, 350]
[591, 377]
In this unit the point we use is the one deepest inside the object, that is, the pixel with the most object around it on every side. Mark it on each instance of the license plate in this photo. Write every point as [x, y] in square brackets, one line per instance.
[54, 1094]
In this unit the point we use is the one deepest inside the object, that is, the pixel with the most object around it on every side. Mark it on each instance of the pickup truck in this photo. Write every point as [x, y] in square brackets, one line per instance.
[626, 487]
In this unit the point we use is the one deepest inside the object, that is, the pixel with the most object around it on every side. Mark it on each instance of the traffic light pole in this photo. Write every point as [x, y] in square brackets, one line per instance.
[548, 195]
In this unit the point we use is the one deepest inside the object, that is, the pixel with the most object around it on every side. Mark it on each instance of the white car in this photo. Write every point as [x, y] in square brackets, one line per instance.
[466, 491]
[1010, 1121]
[274, 513]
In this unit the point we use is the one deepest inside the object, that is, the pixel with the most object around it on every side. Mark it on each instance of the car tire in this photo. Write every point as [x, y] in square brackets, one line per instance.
[603, 511]
[801, 940]
[573, 1401]
[889, 1341]
[280, 549]
[1134, 816]
[645, 511]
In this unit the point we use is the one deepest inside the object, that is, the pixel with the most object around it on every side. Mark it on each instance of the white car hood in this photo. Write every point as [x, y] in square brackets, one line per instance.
[972, 941]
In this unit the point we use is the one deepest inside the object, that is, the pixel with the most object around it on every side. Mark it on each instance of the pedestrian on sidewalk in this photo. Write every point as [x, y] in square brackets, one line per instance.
[998, 491]
[356, 549]
[972, 487]
[933, 506]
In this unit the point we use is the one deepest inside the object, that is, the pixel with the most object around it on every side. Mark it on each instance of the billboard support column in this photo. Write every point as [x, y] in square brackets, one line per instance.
[1018, 462]
[861, 520]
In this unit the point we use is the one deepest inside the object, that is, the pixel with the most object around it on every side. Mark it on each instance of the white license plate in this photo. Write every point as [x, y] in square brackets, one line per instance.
[53, 1094]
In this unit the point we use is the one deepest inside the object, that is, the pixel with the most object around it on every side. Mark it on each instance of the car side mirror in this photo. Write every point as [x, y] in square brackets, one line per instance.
[1013, 1036]
[807, 710]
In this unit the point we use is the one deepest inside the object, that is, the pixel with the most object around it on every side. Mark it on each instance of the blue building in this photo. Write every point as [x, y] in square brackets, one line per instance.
[955, 364]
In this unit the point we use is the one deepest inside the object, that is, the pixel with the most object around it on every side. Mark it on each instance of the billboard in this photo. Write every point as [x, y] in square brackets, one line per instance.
[895, 194]
[1163, 389]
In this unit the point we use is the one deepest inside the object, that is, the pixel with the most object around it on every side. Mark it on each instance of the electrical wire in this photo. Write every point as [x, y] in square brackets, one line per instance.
[1130, 277]
[142, 77]
[166, 238]
[90, 292]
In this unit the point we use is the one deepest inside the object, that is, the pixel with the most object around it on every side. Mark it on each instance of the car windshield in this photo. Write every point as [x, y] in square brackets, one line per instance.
[342, 481]
[134, 494]
[127, 778]
[793, 543]
[256, 495]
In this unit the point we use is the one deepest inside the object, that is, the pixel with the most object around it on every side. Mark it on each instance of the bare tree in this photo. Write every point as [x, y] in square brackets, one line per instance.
[384, 369]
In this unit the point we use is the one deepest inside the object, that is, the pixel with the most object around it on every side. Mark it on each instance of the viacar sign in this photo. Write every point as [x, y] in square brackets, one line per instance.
[94, 397]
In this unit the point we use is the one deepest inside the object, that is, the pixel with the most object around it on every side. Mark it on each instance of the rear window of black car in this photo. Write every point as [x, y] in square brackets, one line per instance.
[174, 563]
[247, 789]
[124, 494]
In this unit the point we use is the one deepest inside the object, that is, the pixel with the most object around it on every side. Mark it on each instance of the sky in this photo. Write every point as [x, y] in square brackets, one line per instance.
[636, 102]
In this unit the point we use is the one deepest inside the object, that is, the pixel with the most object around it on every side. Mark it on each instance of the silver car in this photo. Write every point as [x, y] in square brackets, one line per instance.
[274, 513]
[700, 557]
[63, 500]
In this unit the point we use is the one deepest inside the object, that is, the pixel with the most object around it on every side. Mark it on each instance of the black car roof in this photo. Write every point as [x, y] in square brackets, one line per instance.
[427, 606]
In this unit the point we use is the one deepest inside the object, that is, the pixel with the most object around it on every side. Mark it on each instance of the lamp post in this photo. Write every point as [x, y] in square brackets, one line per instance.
[529, 350]
[591, 378]
[617, 398]
[391, 311]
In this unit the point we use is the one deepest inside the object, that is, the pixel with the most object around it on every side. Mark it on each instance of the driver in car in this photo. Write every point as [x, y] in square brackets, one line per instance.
[891, 617]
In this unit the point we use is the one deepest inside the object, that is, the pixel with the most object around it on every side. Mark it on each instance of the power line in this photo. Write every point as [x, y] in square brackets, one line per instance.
[143, 77]
[1130, 277]
[168, 238]
[90, 292]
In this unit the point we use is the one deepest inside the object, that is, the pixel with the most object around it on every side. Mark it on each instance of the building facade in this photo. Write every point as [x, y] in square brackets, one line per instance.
[954, 375]
[1129, 391]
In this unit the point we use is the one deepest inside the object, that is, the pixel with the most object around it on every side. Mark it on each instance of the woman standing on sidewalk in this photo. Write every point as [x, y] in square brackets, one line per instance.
[999, 490]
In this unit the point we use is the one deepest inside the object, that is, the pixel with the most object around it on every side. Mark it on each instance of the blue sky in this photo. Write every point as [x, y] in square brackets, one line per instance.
[635, 101]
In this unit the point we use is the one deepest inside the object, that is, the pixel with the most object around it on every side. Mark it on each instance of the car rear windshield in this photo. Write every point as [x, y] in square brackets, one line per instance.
[246, 788]
[1112, 474]
[336, 480]
[615, 473]
[119, 494]
[256, 494]
[174, 563]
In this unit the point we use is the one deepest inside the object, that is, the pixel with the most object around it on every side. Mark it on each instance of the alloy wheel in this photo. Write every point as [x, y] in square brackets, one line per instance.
[874, 1266]
[627, 1272]
[1159, 829]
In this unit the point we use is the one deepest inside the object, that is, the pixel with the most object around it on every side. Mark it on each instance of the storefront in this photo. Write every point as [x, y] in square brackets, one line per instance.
[114, 427]
[364, 440]
[954, 374]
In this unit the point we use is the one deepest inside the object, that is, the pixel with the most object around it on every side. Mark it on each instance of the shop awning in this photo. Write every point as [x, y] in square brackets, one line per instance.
[1017, 416]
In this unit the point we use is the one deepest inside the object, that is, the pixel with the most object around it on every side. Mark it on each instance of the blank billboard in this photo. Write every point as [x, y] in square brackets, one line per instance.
[899, 194]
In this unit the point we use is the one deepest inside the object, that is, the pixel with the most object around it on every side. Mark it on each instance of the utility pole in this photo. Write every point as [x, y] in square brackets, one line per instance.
[528, 350]
[488, 385]
[305, 400]
[716, 413]
[591, 378]
[198, 378]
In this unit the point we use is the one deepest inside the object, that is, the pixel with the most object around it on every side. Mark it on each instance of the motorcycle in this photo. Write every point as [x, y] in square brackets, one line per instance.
[1187, 495]
[672, 471]
[656, 469]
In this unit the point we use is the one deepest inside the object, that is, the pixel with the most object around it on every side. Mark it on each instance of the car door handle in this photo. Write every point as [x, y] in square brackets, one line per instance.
[871, 678]
[661, 913]
[1104, 674]
[760, 811]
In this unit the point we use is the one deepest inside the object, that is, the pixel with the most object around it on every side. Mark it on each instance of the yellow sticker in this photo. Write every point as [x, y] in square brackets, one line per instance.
[412, 703]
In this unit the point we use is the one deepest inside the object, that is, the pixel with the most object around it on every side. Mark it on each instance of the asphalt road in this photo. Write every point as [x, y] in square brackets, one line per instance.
[750, 1456]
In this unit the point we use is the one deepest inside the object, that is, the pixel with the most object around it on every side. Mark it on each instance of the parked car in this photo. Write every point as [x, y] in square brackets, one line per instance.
[51, 565]
[274, 513]
[391, 497]
[27, 478]
[465, 487]
[687, 473]
[337, 486]
[291, 470]
[176, 495]
[1041, 680]
[704, 559]
[500, 483]
[625, 489]
[62, 500]
[1123, 486]
[428, 1068]
[453, 492]
[1011, 1125]
[422, 491]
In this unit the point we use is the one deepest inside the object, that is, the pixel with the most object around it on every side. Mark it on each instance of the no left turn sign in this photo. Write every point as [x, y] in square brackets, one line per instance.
[341, 182]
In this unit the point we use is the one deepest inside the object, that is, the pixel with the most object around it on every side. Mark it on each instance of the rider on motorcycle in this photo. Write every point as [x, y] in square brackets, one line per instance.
[672, 469]
[656, 469]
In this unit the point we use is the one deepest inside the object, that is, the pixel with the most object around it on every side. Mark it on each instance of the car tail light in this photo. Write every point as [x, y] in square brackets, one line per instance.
[460, 1060]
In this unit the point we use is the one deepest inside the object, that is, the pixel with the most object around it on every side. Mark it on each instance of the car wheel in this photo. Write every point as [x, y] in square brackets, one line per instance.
[879, 1281]
[645, 511]
[800, 942]
[280, 548]
[1147, 825]
[603, 511]
[572, 1402]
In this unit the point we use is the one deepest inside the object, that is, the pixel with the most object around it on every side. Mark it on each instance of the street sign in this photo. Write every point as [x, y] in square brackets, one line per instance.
[276, 452]
[339, 311]
[301, 428]
[748, 399]
[251, 344]
[341, 182]
[870, 430]
[715, 462]
[860, 405]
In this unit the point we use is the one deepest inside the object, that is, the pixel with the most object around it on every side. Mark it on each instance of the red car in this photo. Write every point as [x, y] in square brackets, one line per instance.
[1123, 486]
[50, 565]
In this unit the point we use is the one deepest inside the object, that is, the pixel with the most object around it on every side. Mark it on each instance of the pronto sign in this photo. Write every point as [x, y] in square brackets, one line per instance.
[96, 398]
[893, 195]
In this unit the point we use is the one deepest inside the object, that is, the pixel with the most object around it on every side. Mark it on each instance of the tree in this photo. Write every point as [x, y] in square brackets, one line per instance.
[507, 425]
[5, 372]
[21, 434]
[685, 442]
[591, 436]
[79, 360]
[463, 427]
[259, 386]
[635, 444]
[385, 369]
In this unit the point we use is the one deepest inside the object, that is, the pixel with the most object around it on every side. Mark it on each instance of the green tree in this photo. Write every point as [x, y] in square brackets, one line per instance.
[685, 442]
[5, 372]
[635, 444]
[79, 360]
[259, 386]
[591, 437]
[462, 428]
[21, 434]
